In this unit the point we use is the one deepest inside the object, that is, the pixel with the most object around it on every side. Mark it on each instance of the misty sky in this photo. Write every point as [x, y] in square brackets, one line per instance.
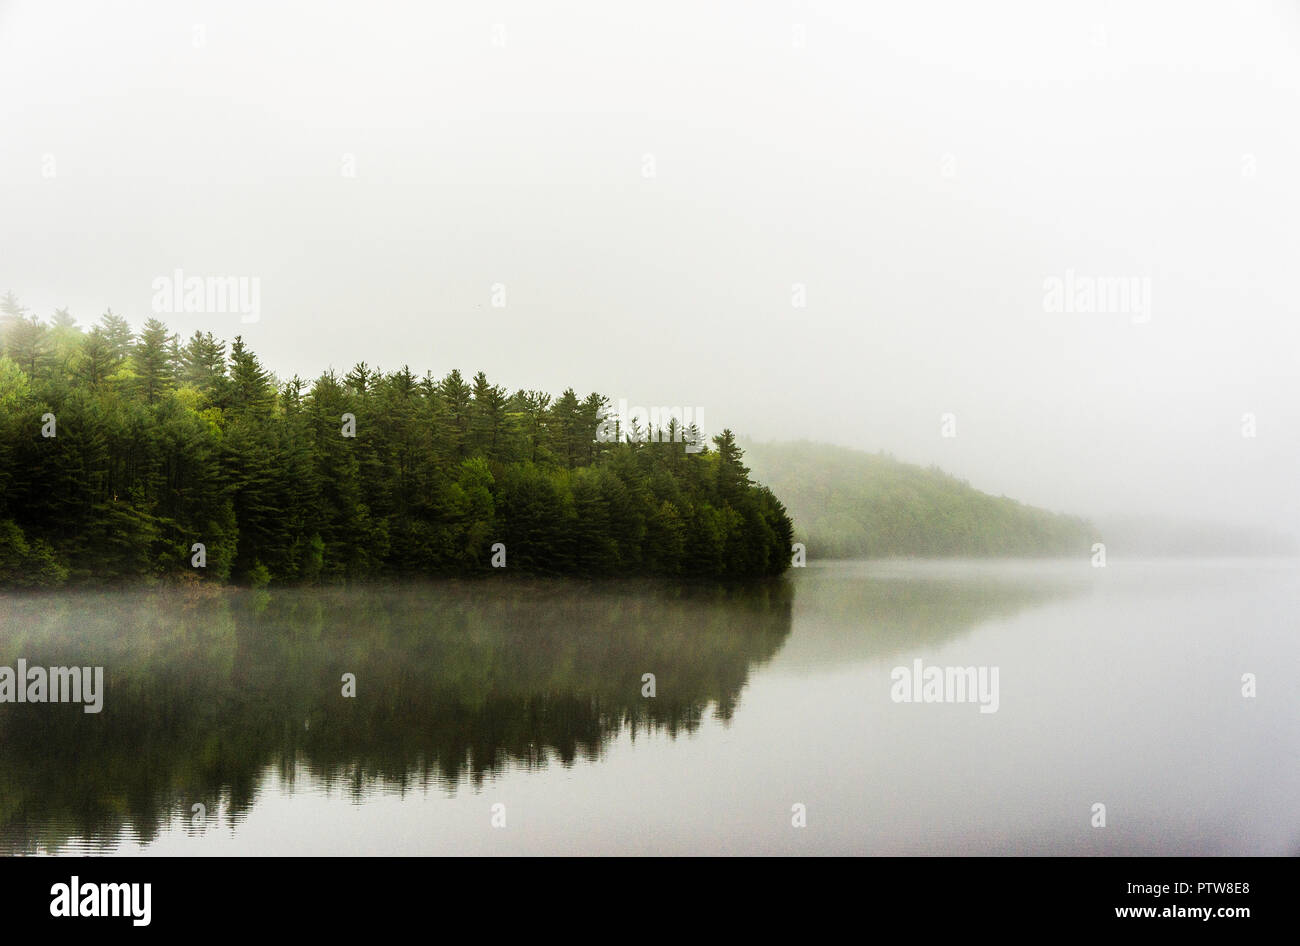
[921, 168]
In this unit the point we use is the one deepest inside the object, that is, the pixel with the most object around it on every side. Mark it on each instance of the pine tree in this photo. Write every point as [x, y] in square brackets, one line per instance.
[203, 367]
[487, 417]
[250, 385]
[27, 343]
[117, 334]
[733, 475]
[152, 359]
[457, 398]
[96, 360]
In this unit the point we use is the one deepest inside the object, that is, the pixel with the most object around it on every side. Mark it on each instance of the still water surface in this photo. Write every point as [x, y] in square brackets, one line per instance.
[1120, 686]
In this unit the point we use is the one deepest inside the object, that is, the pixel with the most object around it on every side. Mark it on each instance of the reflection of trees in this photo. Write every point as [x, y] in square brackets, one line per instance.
[882, 611]
[205, 689]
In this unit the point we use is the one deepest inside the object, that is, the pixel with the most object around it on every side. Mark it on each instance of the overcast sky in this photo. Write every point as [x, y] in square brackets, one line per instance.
[649, 183]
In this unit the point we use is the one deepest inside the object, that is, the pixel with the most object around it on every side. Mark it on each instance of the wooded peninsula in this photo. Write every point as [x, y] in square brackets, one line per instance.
[122, 453]
[139, 456]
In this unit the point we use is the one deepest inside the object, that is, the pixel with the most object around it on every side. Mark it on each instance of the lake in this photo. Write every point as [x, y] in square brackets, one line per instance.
[511, 716]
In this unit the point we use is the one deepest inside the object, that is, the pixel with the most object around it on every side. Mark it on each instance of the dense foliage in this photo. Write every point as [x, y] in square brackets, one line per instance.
[159, 444]
[849, 504]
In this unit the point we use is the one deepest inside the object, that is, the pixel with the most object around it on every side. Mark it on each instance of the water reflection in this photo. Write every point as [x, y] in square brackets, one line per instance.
[206, 689]
[214, 695]
[849, 612]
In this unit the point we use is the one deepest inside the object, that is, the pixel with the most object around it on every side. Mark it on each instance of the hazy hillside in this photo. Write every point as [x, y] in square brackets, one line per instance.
[846, 504]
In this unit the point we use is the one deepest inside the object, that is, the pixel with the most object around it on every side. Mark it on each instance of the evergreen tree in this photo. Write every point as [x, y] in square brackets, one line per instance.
[732, 474]
[202, 366]
[487, 417]
[251, 390]
[152, 358]
[10, 310]
[117, 333]
[456, 398]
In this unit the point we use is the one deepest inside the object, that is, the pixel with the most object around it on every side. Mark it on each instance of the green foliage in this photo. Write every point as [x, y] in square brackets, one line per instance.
[849, 504]
[27, 565]
[162, 445]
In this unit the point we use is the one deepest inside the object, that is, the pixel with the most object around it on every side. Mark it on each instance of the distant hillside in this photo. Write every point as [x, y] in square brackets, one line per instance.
[850, 504]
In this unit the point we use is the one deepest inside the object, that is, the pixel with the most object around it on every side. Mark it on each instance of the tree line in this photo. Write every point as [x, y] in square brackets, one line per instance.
[122, 451]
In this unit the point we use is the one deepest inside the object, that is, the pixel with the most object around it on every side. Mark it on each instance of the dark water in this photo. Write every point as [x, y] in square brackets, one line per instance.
[1120, 686]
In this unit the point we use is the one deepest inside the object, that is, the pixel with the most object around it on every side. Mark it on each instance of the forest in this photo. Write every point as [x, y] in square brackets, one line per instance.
[131, 456]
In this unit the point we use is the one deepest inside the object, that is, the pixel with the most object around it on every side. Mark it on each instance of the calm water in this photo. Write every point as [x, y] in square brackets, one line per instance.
[1119, 686]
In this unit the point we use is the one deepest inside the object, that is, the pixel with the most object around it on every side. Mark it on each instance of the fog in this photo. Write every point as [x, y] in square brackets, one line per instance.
[833, 221]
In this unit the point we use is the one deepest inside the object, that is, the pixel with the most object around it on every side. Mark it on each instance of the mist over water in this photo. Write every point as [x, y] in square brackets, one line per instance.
[1119, 686]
